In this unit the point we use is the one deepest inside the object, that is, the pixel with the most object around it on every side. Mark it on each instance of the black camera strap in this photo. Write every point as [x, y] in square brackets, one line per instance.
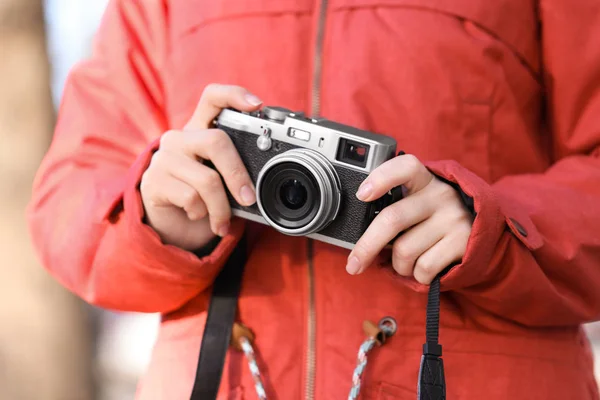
[219, 324]
[432, 383]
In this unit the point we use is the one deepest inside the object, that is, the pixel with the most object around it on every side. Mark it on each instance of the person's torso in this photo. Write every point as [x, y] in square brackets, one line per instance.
[448, 79]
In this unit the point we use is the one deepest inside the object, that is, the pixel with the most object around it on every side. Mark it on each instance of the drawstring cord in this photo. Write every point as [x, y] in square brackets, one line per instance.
[249, 352]
[432, 384]
[242, 338]
[376, 335]
[360, 367]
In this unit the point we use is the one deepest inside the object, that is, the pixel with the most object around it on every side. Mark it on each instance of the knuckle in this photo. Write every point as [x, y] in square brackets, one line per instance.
[147, 177]
[211, 180]
[218, 141]
[465, 229]
[221, 214]
[463, 220]
[401, 268]
[458, 217]
[361, 250]
[151, 202]
[189, 199]
[421, 278]
[146, 183]
[412, 163]
[446, 192]
[149, 191]
[144, 179]
[167, 139]
[237, 172]
[156, 160]
[402, 252]
[460, 239]
[391, 215]
[425, 266]
[210, 89]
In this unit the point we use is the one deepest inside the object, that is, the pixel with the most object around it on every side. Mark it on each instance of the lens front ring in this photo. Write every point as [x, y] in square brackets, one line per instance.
[326, 179]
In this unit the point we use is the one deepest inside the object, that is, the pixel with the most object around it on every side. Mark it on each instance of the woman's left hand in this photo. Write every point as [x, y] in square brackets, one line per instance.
[437, 224]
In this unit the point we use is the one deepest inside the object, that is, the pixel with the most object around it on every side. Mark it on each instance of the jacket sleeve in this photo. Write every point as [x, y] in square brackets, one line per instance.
[86, 214]
[534, 253]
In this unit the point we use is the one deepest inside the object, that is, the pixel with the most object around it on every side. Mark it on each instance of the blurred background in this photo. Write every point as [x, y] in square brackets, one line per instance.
[52, 346]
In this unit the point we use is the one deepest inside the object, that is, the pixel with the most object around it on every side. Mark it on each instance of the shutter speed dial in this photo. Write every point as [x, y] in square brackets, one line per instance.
[278, 114]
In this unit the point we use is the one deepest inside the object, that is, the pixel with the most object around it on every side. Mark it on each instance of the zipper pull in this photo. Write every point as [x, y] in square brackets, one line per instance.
[238, 334]
[384, 329]
[376, 335]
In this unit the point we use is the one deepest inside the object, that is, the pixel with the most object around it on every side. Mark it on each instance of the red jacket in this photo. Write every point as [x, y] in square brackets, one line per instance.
[500, 97]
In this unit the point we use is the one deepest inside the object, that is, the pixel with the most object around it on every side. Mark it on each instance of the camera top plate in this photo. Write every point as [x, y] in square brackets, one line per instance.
[341, 144]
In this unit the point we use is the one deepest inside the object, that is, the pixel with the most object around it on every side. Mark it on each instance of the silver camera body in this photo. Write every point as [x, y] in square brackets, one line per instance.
[306, 172]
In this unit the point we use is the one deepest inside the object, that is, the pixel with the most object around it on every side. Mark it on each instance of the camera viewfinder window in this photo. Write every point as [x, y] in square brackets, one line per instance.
[352, 152]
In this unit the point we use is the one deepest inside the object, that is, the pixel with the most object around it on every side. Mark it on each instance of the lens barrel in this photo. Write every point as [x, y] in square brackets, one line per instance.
[298, 192]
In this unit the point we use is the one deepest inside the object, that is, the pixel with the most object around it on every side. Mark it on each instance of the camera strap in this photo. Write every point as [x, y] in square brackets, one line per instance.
[219, 324]
[432, 383]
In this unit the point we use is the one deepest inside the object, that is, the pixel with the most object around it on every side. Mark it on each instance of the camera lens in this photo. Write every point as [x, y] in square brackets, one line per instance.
[293, 194]
[290, 195]
[298, 192]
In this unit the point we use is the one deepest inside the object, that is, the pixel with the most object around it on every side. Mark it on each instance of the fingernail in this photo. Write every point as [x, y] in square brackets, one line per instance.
[364, 191]
[353, 265]
[247, 195]
[252, 99]
[223, 230]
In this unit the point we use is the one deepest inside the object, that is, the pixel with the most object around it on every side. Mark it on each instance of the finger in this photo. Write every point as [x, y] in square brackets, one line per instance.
[404, 170]
[185, 197]
[160, 189]
[392, 220]
[216, 146]
[447, 251]
[206, 181]
[217, 97]
[416, 241]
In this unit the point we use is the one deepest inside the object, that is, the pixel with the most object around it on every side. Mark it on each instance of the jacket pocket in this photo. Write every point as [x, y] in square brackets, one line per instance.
[388, 391]
[513, 22]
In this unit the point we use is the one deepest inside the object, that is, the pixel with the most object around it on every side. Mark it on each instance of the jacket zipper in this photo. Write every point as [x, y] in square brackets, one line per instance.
[316, 81]
[309, 388]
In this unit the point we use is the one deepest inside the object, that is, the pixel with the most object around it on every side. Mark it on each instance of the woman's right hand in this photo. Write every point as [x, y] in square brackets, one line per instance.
[185, 201]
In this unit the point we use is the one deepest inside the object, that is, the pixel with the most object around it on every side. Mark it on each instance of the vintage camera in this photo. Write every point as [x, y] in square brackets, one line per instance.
[307, 172]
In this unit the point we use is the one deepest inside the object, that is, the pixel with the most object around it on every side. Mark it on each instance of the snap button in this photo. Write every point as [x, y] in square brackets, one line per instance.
[519, 227]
